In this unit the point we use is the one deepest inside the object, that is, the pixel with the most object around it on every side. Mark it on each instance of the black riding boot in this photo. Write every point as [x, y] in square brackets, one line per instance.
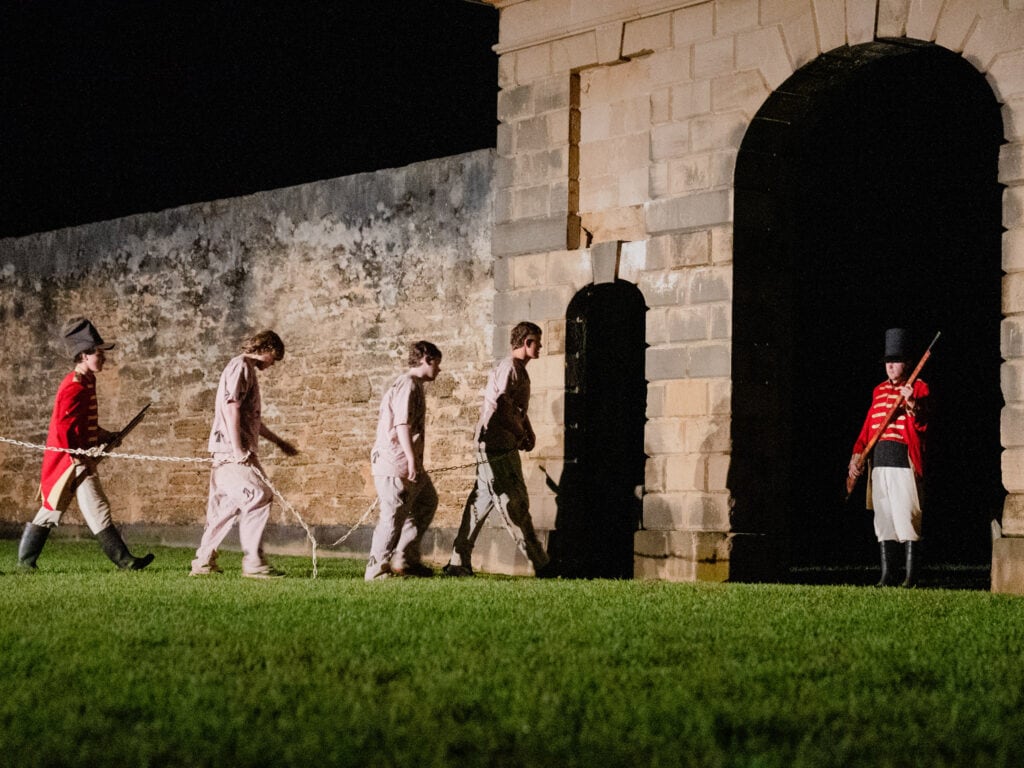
[32, 540]
[889, 557]
[114, 548]
[913, 563]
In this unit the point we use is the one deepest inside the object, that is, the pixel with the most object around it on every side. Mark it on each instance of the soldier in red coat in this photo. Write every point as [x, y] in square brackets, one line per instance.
[894, 490]
[74, 424]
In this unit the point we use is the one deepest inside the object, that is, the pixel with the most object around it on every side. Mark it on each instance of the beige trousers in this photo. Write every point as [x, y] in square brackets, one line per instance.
[236, 493]
[92, 503]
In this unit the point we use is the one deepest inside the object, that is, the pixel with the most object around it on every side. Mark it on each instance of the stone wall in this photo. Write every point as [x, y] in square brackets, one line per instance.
[348, 271]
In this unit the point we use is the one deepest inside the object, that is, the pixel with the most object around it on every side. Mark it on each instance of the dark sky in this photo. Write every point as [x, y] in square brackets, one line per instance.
[112, 108]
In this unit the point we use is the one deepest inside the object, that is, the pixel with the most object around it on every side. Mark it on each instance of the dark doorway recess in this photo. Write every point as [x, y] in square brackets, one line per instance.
[866, 198]
[599, 506]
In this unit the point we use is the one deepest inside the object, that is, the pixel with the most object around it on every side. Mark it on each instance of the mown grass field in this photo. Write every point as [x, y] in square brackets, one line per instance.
[102, 668]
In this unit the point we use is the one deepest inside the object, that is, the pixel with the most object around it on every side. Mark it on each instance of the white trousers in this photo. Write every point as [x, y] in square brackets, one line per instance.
[897, 504]
[406, 511]
[236, 493]
[92, 503]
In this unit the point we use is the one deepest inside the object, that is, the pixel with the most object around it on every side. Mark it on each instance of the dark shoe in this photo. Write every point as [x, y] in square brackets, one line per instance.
[890, 553]
[549, 570]
[913, 563]
[114, 547]
[32, 540]
[458, 570]
[414, 570]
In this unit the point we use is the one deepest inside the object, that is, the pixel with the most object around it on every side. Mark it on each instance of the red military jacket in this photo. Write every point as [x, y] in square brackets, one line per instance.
[73, 424]
[904, 428]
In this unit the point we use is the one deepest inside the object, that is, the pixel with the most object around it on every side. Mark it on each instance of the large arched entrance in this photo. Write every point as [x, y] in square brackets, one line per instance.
[866, 198]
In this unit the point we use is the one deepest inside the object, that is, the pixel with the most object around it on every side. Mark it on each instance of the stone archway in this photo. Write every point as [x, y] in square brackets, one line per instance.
[866, 197]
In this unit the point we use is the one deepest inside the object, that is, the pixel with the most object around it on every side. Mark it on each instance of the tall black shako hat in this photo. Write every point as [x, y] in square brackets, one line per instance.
[80, 336]
[897, 346]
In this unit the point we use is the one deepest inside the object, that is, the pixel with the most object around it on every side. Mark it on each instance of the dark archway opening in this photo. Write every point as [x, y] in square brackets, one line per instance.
[866, 198]
[599, 506]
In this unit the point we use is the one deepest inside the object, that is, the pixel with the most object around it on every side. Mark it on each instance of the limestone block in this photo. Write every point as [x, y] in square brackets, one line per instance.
[1008, 565]
[693, 24]
[663, 511]
[710, 284]
[595, 122]
[598, 193]
[1013, 515]
[507, 71]
[634, 259]
[718, 472]
[1011, 337]
[1011, 163]
[709, 360]
[533, 63]
[745, 91]
[717, 131]
[552, 94]
[616, 155]
[646, 35]
[720, 397]
[714, 57]
[685, 398]
[1011, 379]
[993, 35]
[662, 288]
[1012, 462]
[732, 16]
[801, 38]
[721, 321]
[619, 223]
[775, 11]
[661, 106]
[687, 324]
[690, 174]
[764, 50]
[685, 472]
[666, 363]
[669, 140]
[922, 18]
[529, 270]
[548, 372]
[609, 43]
[655, 399]
[1013, 286]
[860, 21]
[544, 167]
[654, 474]
[531, 202]
[529, 236]
[708, 512]
[1011, 425]
[1013, 119]
[664, 436]
[573, 268]
[1013, 250]
[691, 99]
[1005, 75]
[515, 103]
[657, 325]
[666, 68]
[634, 191]
[680, 250]
[892, 17]
[1013, 208]
[831, 17]
[710, 435]
[574, 52]
[542, 132]
[696, 211]
[957, 19]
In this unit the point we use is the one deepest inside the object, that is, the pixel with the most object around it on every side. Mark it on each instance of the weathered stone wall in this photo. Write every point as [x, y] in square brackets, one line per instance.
[348, 271]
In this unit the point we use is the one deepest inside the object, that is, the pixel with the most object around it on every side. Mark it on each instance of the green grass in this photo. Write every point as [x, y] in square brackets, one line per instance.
[100, 668]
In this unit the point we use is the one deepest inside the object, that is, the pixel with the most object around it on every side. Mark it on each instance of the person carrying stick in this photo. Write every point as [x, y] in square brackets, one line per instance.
[896, 424]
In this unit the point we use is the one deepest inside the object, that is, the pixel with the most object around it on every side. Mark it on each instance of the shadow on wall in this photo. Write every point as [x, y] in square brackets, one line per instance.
[598, 494]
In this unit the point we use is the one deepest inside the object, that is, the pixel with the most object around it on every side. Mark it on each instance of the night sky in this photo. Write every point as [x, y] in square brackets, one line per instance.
[113, 108]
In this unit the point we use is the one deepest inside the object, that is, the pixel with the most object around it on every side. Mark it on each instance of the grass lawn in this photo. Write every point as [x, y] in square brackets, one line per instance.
[102, 668]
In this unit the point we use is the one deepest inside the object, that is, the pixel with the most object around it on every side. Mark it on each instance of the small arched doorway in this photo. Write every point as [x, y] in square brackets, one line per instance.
[866, 198]
[599, 505]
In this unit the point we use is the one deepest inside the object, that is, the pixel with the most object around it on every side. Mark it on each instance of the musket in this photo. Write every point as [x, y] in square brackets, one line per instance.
[851, 482]
[118, 437]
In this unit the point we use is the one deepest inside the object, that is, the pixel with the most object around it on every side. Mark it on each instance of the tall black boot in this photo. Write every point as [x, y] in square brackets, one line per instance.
[913, 563]
[32, 540]
[114, 548]
[889, 556]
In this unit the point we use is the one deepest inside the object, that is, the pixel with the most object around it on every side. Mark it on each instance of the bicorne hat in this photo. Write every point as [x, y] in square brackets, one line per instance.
[80, 336]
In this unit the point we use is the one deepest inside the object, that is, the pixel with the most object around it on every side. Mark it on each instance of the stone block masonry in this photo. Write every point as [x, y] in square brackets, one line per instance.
[348, 271]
